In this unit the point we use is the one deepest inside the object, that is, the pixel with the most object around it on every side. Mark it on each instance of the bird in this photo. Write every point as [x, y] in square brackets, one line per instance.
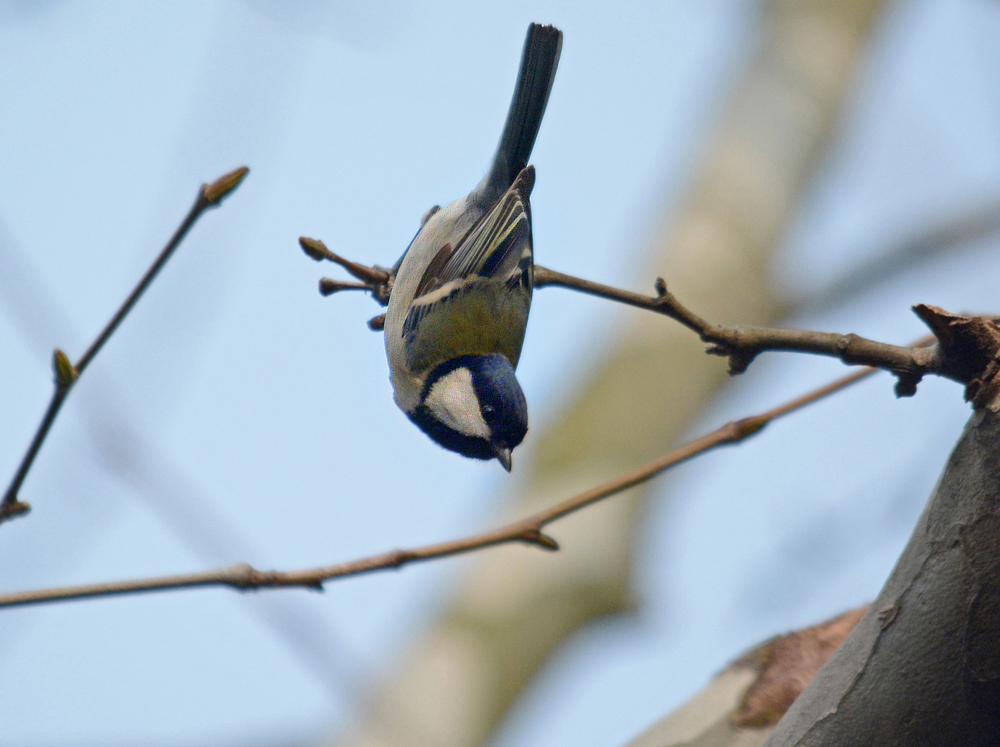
[461, 291]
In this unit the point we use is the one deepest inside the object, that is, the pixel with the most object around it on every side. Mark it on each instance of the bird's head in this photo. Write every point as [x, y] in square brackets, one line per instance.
[474, 405]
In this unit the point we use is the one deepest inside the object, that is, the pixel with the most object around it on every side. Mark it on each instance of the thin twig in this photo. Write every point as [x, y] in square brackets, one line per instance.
[66, 374]
[528, 530]
[373, 279]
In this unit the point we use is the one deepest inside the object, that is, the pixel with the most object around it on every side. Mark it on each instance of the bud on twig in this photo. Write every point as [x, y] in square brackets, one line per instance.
[63, 369]
[314, 248]
[218, 190]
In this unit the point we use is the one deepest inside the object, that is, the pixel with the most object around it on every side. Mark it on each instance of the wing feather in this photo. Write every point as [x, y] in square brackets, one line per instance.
[492, 263]
[494, 245]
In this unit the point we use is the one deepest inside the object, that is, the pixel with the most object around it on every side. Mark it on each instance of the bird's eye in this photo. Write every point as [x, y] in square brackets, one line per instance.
[489, 411]
[428, 214]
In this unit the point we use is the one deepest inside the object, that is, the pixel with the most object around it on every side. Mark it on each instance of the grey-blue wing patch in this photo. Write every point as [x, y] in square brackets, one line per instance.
[495, 247]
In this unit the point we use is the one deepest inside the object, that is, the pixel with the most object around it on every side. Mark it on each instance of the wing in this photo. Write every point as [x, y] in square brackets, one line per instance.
[493, 248]
[474, 298]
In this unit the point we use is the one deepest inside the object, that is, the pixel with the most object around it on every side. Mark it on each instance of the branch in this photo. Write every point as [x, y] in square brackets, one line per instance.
[66, 373]
[243, 577]
[966, 347]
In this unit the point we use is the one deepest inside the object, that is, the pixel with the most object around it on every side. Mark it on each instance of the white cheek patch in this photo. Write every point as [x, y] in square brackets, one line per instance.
[453, 401]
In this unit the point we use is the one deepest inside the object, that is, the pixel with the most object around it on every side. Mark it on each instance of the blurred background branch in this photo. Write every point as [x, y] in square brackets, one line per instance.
[742, 704]
[226, 419]
[512, 611]
[954, 233]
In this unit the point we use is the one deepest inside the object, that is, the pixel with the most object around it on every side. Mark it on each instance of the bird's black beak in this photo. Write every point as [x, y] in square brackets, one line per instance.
[503, 456]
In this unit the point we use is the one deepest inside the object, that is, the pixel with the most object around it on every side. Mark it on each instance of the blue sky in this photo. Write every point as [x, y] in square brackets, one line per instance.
[237, 415]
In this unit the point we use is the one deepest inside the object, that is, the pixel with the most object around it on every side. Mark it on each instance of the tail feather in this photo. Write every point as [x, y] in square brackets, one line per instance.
[534, 81]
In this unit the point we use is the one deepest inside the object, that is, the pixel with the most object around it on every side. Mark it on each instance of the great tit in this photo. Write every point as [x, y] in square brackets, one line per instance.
[462, 289]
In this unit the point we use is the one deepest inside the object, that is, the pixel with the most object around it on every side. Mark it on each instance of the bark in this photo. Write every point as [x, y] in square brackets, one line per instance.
[919, 666]
[922, 667]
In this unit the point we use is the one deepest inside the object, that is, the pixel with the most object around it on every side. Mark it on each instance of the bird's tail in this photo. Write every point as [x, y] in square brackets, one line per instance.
[534, 81]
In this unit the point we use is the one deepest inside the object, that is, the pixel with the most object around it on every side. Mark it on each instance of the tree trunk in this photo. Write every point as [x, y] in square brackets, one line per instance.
[922, 667]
